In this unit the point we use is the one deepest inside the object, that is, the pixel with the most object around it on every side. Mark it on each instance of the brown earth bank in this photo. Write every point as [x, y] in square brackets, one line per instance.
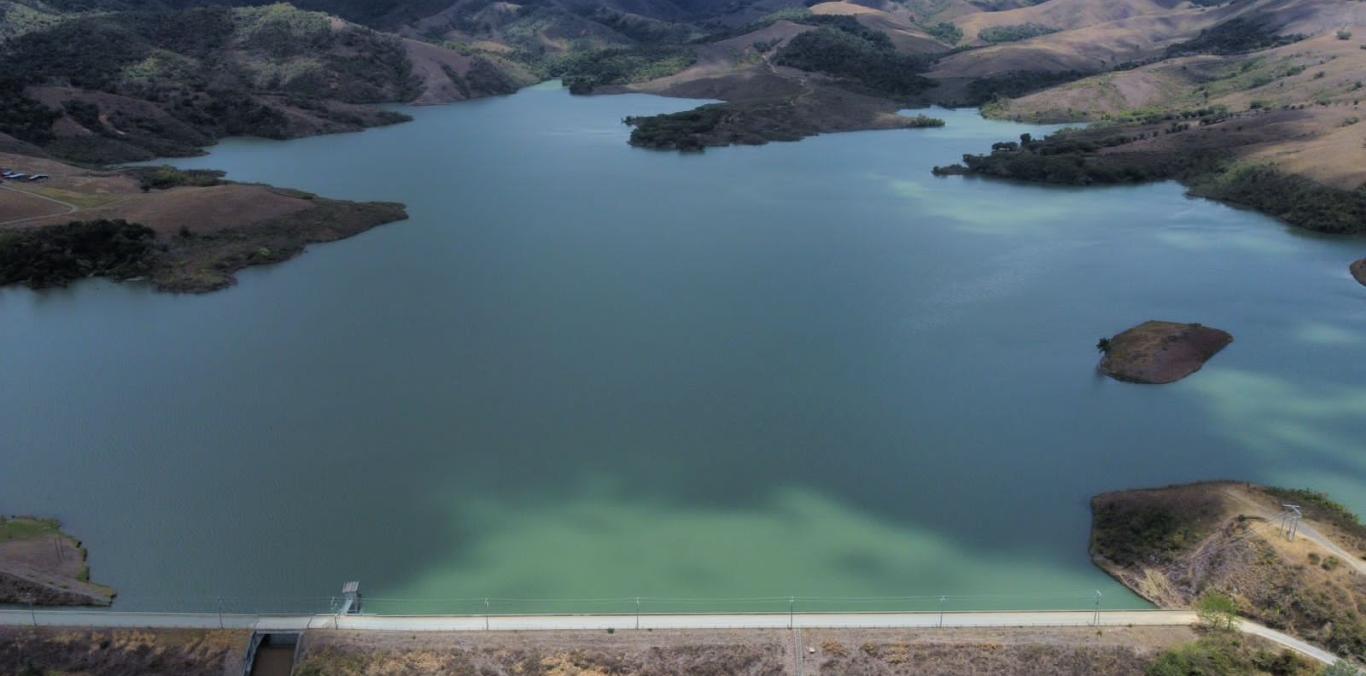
[1176, 545]
[27, 651]
[183, 231]
[1157, 353]
[42, 566]
[736, 652]
[1118, 650]
[836, 652]
[1358, 270]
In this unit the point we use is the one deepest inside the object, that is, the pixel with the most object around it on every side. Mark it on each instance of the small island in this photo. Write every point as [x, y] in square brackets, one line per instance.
[1359, 271]
[1158, 353]
[42, 566]
[1227, 545]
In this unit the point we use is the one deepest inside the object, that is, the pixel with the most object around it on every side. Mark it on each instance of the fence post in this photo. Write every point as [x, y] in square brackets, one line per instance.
[220, 612]
[486, 614]
[33, 615]
[637, 613]
[941, 611]
[791, 611]
[1097, 607]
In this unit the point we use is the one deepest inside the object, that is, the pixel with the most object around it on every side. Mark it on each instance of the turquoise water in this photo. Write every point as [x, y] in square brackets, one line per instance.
[584, 371]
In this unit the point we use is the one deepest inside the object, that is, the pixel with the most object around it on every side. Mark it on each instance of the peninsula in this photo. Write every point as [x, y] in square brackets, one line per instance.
[42, 566]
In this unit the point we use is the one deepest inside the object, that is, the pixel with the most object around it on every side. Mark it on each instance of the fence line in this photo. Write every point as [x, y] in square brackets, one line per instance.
[620, 605]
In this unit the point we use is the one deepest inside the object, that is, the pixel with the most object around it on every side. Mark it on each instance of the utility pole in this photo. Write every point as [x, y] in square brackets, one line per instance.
[1290, 521]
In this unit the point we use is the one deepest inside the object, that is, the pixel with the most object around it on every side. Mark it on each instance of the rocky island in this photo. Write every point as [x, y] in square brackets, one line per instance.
[40, 565]
[1157, 352]
[1178, 544]
[1359, 271]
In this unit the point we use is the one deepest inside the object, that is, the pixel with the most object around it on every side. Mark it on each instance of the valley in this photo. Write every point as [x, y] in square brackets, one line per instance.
[649, 325]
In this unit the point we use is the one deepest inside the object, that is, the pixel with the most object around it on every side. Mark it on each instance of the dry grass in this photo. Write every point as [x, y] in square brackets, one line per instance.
[164, 652]
[726, 652]
[1224, 537]
[16, 206]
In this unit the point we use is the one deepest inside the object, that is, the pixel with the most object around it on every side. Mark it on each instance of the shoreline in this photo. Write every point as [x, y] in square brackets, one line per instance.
[183, 231]
[1175, 546]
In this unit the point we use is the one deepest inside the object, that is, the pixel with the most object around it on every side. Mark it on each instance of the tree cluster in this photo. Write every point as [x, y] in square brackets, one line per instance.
[868, 63]
[59, 254]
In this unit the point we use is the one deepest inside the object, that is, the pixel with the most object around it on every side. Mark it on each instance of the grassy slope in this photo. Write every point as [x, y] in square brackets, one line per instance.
[41, 564]
[1173, 544]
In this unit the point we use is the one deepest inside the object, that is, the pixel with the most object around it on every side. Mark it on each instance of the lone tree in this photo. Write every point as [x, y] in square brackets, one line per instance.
[1103, 345]
[1217, 610]
[1340, 668]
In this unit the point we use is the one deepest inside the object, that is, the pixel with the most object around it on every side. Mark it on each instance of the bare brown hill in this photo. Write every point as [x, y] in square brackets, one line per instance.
[1065, 15]
[1096, 37]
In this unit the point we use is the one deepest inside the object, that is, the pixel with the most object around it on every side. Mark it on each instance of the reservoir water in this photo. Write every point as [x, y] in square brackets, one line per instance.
[583, 371]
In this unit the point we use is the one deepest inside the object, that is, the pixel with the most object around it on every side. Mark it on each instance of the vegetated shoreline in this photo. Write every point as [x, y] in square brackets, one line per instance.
[41, 565]
[180, 231]
[1198, 149]
[1178, 545]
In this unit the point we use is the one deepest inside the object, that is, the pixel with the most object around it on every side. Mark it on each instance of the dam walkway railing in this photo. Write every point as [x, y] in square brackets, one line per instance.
[586, 622]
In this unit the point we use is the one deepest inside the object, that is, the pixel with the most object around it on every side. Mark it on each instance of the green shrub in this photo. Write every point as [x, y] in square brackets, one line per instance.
[584, 71]
[1024, 31]
[871, 64]
[676, 131]
[165, 177]
[1235, 36]
[22, 117]
[59, 254]
[946, 32]
[1217, 610]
